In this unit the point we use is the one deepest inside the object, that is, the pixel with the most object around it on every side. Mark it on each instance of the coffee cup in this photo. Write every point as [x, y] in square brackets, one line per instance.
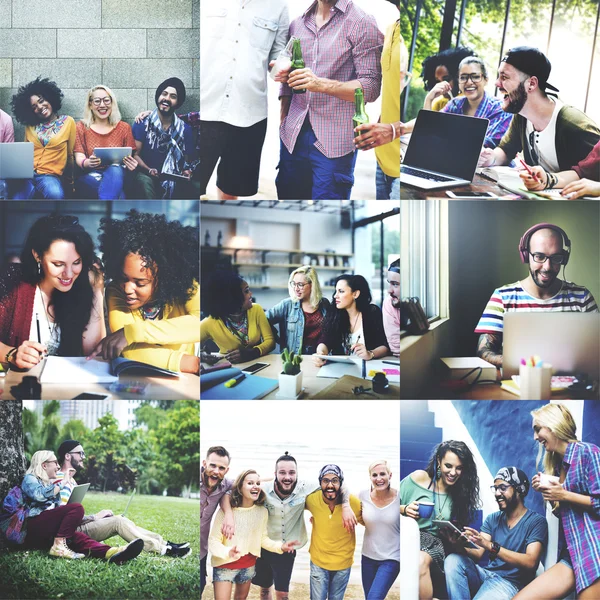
[546, 480]
[425, 510]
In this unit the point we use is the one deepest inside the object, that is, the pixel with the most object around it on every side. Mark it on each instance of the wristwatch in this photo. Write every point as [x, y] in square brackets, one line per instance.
[495, 549]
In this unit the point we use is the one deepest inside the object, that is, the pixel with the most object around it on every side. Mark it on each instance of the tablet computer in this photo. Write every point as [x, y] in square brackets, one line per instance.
[451, 528]
[173, 177]
[78, 493]
[112, 156]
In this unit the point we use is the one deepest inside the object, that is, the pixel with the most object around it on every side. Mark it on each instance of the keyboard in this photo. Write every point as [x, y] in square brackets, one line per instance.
[423, 174]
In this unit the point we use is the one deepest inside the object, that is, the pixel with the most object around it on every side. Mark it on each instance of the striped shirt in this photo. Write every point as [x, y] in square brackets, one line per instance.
[513, 298]
[489, 108]
[345, 48]
[582, 527]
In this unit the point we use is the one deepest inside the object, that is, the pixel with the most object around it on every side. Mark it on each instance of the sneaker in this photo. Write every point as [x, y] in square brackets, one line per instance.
[178, 552]
[124, 553]
[174, 545]
[61, 550]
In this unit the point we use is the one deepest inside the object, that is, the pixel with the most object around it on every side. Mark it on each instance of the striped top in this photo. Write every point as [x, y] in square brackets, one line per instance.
[513, 298]
[345, 48]
[582, 527]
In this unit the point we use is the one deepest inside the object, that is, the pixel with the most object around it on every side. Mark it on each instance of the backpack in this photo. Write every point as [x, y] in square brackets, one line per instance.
[13, 517]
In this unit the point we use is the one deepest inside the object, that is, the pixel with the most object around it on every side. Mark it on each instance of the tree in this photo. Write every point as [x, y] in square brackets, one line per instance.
[12, 457]
[44, 436]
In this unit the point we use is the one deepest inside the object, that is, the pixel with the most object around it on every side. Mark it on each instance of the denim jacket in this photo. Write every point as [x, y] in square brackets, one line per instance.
[290, 318]
[38, 497]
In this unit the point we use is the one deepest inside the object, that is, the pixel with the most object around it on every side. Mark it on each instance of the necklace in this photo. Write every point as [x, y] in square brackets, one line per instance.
[50, 328]
[441, 510]
[355, 321]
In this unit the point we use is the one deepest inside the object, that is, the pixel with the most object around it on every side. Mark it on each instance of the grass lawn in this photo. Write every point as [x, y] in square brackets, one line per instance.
[34, 574]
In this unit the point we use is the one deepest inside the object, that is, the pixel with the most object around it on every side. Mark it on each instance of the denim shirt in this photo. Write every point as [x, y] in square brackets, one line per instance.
[39, 497]
[290, 318]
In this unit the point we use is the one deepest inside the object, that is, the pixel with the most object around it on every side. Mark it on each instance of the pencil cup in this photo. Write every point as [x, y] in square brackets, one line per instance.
[534, 382]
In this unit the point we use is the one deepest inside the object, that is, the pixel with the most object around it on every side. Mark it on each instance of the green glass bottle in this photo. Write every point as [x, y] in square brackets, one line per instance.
[360, 116]
[297, 61]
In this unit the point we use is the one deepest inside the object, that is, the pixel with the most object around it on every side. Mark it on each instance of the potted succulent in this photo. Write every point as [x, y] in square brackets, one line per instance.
[290, 378]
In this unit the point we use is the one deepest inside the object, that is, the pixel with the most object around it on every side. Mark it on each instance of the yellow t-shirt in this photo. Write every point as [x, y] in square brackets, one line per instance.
[388, 155]
[331, 546]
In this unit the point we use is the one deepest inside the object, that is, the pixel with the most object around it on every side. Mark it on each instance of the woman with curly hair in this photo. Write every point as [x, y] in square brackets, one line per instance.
[154, 298]
[451, 484]
[233, 559]
[58, 287]
[36, 106]
[354, 326]
[101, 127]
[237, 325]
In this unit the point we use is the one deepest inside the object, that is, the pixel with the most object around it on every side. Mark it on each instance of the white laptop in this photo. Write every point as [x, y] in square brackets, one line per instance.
[443, 150]
[16, 160]
[569, 341]
[112, 156]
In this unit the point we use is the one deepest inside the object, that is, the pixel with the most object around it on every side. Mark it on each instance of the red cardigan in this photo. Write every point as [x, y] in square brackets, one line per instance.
[16, 307]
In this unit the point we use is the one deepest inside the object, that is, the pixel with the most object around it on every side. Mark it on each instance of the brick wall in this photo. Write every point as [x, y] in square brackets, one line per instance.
[129, 45]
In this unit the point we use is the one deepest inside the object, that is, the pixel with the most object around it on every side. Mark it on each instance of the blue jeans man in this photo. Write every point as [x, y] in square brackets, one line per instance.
[328, 585]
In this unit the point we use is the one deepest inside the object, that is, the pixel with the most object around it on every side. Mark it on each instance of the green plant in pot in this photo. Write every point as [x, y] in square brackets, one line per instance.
[290, 378]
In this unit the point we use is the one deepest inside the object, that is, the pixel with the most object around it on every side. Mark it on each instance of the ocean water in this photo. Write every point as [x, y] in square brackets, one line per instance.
[351, 434]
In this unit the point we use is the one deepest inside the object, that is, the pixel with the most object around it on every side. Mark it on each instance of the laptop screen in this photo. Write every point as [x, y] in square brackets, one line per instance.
[446, 143]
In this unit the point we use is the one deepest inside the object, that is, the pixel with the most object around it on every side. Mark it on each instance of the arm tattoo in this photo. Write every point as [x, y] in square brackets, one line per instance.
[489, 348]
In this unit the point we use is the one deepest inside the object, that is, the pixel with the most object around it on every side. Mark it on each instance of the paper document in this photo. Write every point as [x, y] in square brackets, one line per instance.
[75, 369]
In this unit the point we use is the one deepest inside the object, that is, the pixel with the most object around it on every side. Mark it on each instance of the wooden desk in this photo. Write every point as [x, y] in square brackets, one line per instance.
[480, 184]
[187, 387]
[310, 381]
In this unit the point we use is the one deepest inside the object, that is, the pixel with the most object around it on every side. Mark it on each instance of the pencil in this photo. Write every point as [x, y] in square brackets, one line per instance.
[37, 323]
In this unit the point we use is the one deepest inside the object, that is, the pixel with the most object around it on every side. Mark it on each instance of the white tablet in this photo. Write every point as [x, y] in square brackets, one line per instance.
[112, 156]
[78, 493]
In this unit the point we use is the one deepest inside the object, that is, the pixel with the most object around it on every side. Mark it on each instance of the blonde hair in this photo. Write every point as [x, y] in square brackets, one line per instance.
[236, 490]
[379, 462]
[559, 420]
[35, 468]
[88, 115]
[311, 277]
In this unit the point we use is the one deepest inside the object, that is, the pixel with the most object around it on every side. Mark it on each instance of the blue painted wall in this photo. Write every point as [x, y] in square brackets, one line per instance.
[591, 422]
[502, 431]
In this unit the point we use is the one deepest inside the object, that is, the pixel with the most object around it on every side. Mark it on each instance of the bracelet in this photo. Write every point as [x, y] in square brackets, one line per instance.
[495, 550]
[10, 354]
[393, 132]
[372, 354]
[404, 513]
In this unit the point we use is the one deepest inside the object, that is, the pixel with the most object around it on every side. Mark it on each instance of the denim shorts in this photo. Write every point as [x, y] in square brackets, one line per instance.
[233, 575]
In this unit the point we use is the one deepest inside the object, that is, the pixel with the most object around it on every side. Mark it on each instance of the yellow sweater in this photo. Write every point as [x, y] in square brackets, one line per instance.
[258, 328]
[161, 343]
[250, 535]
[56, 156]
[331, 546]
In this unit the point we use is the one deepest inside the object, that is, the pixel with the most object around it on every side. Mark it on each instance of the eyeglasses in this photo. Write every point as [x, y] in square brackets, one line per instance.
[299, 286]
[98, 101]
[82, 453]
[499, 488]
[555, 259]
[334, 481]
[474, 77]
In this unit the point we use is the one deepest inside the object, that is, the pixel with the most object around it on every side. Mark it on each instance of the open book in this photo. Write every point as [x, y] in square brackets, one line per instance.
[76, 369]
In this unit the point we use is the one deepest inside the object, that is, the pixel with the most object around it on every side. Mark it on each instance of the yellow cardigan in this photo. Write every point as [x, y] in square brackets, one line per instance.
[258, 328]
[57, 156]
[161, 343]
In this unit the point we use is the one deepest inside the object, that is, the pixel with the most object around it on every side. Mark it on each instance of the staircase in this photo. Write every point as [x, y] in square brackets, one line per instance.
[418, 436]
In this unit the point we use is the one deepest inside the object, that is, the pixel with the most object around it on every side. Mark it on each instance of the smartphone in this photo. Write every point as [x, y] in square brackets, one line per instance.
[250, 370]
[91, 396]
[471, 195]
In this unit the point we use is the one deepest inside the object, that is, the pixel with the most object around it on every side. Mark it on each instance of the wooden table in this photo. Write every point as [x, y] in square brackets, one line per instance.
[480, 184]
[187, 387]
[310, 382]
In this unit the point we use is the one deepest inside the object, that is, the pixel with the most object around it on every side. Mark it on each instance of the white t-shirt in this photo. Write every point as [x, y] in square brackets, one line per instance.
[382, 528]
[49, 331]
[544, 143]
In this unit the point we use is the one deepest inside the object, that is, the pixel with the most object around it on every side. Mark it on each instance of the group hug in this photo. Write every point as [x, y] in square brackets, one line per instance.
[52, 301]
[559, 143]
[340, 59]
[308, 323]
[260, 526]
[37, 515]
[515, 537]
[162, 159]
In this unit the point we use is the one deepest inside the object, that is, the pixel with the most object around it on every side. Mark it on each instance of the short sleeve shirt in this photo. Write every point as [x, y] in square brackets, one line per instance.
[208, 506]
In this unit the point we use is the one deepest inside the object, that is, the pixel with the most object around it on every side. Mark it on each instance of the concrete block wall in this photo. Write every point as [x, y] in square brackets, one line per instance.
[131, 46]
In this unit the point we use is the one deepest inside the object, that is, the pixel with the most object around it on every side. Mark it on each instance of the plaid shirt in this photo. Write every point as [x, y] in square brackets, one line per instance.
[582, 527]
[489, 108]
[208, 505]
[345, 48]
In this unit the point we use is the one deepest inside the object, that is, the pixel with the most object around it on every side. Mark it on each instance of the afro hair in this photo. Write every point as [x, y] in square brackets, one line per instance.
[21, 101]
[168, 249]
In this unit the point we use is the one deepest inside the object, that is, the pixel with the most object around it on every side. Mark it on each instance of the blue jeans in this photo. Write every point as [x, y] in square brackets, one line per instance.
[378, 576]
[388, 188]
[465, 579]
[309, 174]
[103, 185]
[328, 585]
[48, 187]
